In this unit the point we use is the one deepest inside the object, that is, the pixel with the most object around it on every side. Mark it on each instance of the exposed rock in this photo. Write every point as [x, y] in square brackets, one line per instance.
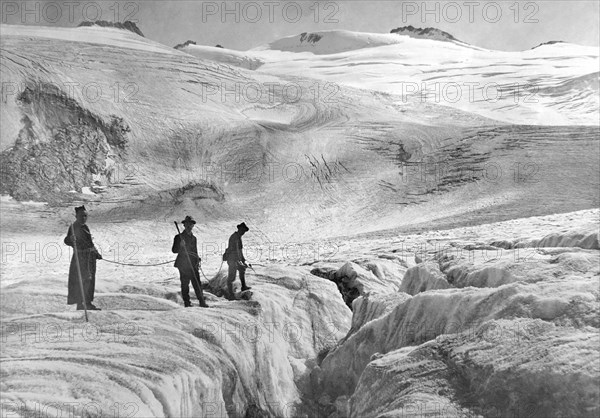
[548, 43]
[186, 43]
[424, 33]
[127, 25]
[310, 37]
[61, 146]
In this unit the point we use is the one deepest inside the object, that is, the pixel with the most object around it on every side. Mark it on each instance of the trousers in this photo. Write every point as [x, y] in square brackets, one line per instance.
[232, 269]
[185, 276]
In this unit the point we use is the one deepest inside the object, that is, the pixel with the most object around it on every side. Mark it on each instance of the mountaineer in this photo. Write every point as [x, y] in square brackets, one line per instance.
[235, 260]
[81, 288]
[188, 262]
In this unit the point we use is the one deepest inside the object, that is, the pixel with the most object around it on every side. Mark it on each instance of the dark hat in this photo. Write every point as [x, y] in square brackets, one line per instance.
[188, 219]
[80, 209]
[243, 226]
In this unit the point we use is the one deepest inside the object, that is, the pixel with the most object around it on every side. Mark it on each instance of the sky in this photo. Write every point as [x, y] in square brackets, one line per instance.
[502, 25]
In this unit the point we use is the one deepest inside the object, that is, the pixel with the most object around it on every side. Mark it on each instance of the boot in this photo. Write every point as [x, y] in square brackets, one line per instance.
[201, 299]
[93, 307]
[244, 287]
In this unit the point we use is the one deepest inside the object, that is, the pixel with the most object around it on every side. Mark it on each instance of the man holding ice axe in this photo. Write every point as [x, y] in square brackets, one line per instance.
[82, 271]
[188, 262]
[235, 260]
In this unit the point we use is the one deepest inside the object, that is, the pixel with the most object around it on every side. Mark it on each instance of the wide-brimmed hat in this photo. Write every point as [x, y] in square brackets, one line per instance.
[80, 209]
[188, 219]
[243, 227]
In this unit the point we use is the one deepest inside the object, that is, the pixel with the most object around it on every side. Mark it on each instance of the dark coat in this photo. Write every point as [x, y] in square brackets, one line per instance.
[191, 247]
[234, 249]
[86, 252]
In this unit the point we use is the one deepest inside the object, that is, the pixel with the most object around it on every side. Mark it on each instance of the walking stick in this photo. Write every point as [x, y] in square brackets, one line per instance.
[79, 273]
[189, 261]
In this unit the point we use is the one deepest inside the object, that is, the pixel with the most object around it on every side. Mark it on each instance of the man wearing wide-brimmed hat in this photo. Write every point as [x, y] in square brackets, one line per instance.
[235, 260]
[188, 262]
[80, 238]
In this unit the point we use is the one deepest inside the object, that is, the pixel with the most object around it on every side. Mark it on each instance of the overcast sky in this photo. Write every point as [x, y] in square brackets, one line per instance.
[502, 25]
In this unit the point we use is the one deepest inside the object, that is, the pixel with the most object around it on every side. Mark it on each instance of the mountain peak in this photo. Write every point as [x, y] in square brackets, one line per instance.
[425, 33]
[127, 25]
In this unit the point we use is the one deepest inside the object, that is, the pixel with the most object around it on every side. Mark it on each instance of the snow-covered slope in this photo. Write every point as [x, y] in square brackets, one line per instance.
[541, 86]
[330, 42]
[158, 130]
[222, 55]
[88, 34]
[146, 353]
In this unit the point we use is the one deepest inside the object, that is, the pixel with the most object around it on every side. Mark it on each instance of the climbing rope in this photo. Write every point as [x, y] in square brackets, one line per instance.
[157, 264]
[202, 271]
[138, 265]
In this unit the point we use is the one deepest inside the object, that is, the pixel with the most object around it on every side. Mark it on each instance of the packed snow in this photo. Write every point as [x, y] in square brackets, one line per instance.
[410, 256]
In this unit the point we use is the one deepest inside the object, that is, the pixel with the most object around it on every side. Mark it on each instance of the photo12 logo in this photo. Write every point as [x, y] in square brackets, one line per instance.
[68, 91]
[270, 92]
[270, 11]
[67, 409]
[469, 11]
[38, 12]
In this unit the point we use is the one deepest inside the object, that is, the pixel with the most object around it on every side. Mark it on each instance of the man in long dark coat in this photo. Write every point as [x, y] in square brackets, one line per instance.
[84, 251]
[188, 262]
[236, 262]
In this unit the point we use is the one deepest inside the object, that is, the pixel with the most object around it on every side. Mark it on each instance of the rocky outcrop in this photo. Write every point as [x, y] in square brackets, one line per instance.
[127, 25]
[61, 147]
[424, 33]
[186, 43]
[310, 37]
[548, 43]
